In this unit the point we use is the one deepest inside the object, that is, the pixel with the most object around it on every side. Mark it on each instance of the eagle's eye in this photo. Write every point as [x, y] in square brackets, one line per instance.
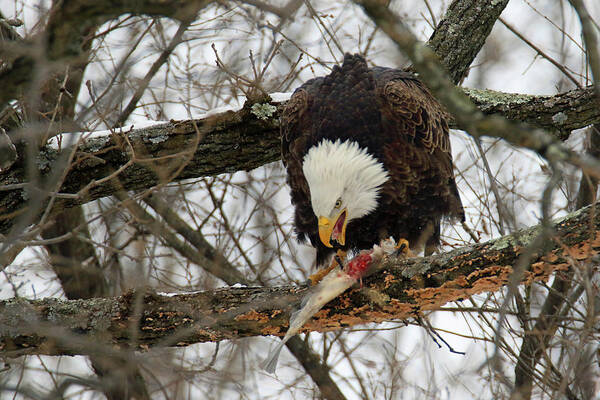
[338, 203]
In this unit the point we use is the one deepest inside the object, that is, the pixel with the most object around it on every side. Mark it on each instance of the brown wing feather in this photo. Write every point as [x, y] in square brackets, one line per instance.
[418, 155]
[418, 114]
[294, 143]
[295, 139]
[392, 114]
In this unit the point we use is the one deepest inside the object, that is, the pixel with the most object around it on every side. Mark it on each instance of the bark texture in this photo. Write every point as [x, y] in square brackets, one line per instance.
[398, 289]
[466, 18]
[142, 158]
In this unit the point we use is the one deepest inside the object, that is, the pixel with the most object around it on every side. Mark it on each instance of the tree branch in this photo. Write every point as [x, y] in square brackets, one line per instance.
[559, 114]
[87, 14]
[399, 289]
[310, 361]
[590, 38]
[230, 142]
[537, 338]
[473, 19]
[431, 71]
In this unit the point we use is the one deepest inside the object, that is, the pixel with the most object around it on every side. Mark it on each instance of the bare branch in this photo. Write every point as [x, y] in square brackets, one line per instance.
[88, 14]
[472, 19]
[235, 141]
[400, 289]
[460, 106]
[590, 37]
[216, 264]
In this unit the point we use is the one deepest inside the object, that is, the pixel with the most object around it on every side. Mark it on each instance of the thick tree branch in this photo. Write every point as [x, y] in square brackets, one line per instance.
[472, 19]
[213, 258]
[431, 71]
[559, 114]
[143, 158]
[400, 289]
[230, 142]
[83, 15]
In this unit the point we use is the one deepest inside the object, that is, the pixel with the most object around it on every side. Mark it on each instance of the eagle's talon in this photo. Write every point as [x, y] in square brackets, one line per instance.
[338, 259]
[403, 249]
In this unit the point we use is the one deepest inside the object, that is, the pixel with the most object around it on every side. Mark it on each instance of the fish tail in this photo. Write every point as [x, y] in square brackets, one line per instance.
[270, 364]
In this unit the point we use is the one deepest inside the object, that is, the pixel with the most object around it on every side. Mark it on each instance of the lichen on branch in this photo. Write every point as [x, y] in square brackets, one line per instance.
[399, 289]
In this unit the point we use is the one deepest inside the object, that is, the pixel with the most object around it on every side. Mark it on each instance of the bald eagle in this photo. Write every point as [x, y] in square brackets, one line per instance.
[368, 156]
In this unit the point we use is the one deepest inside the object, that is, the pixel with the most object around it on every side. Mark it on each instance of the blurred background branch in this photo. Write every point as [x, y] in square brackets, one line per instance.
[163, 190]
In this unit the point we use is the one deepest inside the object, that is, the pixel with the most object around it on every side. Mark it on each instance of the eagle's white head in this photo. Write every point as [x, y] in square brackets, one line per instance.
[344, 181]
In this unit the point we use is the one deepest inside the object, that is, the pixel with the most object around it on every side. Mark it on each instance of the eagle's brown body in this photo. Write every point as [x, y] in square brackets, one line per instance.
[393, 115]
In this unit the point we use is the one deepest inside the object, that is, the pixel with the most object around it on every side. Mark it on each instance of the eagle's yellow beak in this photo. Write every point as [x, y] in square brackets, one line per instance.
[335, 231]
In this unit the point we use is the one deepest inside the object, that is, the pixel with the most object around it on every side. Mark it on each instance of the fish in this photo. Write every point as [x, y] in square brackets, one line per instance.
[331, 286]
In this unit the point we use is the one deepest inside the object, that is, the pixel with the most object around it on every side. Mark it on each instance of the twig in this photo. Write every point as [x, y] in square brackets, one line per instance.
[558, 65]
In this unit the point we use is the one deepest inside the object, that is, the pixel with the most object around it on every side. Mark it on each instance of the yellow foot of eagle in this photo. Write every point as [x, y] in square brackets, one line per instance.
[402, 248]
[338, 259]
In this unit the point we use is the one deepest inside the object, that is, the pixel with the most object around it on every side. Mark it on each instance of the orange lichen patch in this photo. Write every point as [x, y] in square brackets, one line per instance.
[324, 320]
[488, 284]
[320, 325]
[426, 298]
[389, 279]
[345, 301]
[454, 268]
[487, 279]
[253, 315]
[275, 313]
[423, 295]
[168, 314]
[321, 314]
[542, 270]
[396, 307]
[367, 314]
[459, 282]
[272, 330]
[585, 249]
[206, 333]
[490, 278]
[350, 320]
[491, 271]
[418, 280]
[459, 258]
[550, 257]
[362, 309]
[494, 257]
[334, 322]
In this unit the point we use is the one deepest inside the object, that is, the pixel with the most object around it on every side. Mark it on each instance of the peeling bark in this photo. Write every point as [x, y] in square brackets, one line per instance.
[399, 289]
